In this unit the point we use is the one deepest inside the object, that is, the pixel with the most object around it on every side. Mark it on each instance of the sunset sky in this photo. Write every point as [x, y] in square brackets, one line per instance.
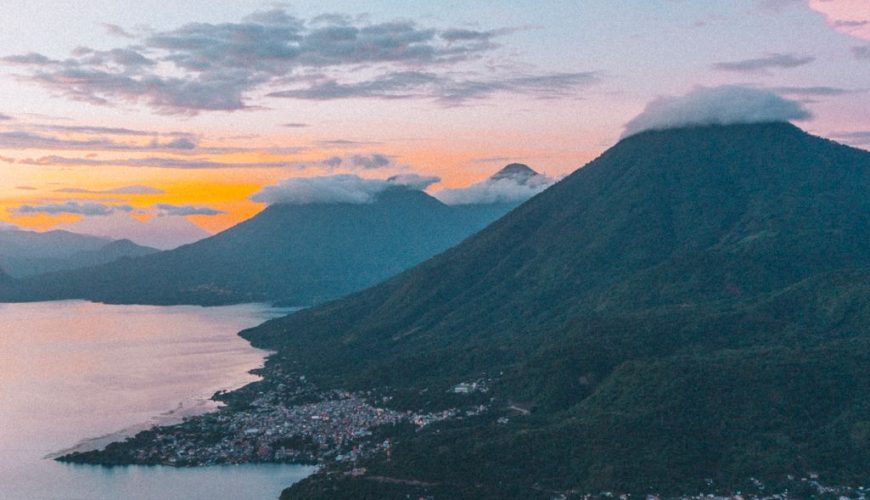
[115, 111]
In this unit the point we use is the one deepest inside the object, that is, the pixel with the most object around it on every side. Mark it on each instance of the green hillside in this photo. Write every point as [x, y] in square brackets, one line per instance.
[692, 305]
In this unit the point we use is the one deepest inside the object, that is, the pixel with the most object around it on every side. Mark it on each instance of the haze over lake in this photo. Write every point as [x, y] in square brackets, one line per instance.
[71, 371]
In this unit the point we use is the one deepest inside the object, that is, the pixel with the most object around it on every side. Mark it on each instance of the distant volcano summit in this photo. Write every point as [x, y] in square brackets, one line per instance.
[296, 254]
[517, 172]
[513, 184]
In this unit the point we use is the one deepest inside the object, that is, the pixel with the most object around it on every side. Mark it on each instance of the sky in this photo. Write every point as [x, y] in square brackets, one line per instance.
[125, 117]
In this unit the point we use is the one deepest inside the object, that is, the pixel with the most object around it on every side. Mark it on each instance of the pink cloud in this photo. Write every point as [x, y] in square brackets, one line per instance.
[847, 16]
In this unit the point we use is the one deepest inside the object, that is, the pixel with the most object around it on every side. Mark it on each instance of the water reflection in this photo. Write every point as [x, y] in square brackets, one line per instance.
[74, 370]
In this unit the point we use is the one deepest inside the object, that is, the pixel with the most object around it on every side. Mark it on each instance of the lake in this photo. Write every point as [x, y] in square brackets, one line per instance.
[73, 371]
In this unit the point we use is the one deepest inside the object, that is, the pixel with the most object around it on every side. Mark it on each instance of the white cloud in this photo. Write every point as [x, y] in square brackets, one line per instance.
[414, 181]
[496, 190]
[343, 188]
[723, 105]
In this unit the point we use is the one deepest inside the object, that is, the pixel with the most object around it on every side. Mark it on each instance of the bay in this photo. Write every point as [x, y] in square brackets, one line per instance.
[76, 374]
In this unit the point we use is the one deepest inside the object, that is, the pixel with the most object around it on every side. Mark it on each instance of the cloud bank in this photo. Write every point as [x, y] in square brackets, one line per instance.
[724, 105]
[342, 188]
[216, 67]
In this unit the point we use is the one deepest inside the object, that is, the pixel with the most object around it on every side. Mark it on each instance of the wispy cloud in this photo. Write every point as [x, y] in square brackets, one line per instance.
[344, 143]
[861, 52]
[370, 161]
[91, 138]
[447, 90]
[854, 137]
[4, 117]
[851, 17]
[115, 30]
[762, 64]
[492, 159]
[137, 189]
[206, 67]
[165, 209]
[154, 162]
[817, 91]
[778, 5]
[18, 139]
[73, 207]
[87, 129]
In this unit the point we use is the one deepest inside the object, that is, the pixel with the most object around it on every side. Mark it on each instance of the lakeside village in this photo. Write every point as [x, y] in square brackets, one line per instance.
[284, 418]
[287, 420]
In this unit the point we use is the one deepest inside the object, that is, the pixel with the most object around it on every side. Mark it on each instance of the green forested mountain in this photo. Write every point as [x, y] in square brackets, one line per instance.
[692, 305]
[292, 254]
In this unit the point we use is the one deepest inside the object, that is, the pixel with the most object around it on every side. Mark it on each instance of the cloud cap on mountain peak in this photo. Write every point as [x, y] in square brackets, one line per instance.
[514, 183]
[341, 188]
[724, 105]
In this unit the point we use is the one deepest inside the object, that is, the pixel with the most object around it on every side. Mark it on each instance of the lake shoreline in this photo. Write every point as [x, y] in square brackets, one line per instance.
[79, 375]
[340, 475]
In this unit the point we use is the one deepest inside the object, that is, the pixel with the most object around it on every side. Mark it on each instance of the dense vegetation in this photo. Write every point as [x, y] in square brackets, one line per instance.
[690, 309]
[293, 254]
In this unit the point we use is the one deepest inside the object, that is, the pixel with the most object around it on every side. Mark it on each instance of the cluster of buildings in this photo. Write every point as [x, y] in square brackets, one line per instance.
[278, 425]
[268, 433]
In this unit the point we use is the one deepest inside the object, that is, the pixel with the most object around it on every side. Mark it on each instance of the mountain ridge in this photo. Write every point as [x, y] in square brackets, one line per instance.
[723, 257]
[28, 253]
[291, 254]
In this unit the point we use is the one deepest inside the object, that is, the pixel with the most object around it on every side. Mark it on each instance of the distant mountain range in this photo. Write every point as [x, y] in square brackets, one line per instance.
[690, 310]
[28, 253]
[291, 254]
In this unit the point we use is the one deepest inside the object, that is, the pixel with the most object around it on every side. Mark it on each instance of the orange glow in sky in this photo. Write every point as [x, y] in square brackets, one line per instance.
[551, 88]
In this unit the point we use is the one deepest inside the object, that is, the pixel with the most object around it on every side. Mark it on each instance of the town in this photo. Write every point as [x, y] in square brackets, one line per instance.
[287, 420]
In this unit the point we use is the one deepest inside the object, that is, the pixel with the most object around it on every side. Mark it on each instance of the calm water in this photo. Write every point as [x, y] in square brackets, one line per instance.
[72, 371]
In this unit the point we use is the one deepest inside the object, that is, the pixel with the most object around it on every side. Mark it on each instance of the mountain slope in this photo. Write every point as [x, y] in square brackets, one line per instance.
[296, 254]
[50, 244]
[28, 253]
[692, 304]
